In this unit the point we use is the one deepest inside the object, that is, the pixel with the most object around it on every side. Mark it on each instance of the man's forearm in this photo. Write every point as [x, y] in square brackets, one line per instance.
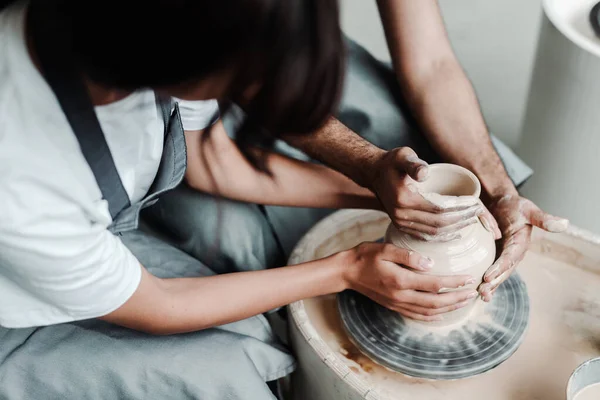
[438, 91]
[299, 183]
[342, 149]
[216, 166]
[448, 112]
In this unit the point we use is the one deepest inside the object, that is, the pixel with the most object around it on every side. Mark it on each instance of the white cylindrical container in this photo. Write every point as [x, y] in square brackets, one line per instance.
[561, 131]
[584, 384]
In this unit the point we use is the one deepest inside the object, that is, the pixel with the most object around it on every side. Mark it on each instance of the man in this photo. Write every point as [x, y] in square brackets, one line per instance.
[77, 271]
[427, 104]
[443, 104]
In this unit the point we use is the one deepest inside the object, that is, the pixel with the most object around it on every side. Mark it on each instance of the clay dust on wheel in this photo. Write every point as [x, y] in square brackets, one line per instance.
[487, 338]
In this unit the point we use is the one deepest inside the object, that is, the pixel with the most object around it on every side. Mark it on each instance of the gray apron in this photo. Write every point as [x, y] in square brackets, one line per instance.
[96, 360]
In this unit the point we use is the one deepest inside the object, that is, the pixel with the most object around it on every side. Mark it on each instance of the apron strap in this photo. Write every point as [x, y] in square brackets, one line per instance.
[165, 106]
[51, 47]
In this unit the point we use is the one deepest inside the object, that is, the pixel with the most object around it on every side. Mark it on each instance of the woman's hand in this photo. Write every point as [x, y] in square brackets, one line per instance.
[376, 270]
[434, 219]
[516, 216]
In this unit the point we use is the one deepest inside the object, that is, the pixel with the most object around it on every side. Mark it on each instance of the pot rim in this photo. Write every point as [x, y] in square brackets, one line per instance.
[461, 170]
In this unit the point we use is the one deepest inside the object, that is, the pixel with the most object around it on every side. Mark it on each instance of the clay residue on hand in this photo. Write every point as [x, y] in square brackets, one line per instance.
[442, 237]
[449, 202]
[421, 168]
[556, 225]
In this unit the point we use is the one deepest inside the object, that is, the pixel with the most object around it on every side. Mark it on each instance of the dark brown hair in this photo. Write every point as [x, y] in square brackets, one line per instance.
[292, 48]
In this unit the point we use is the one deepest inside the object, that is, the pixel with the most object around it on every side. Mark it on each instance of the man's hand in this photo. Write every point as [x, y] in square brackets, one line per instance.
[374, 270]
[397, 171]
[516, 216]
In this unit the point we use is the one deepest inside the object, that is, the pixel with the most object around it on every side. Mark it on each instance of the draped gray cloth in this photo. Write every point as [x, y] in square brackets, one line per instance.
[188, 233]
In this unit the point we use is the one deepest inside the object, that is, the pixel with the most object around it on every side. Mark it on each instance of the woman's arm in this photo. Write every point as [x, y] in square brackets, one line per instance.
[216, 166]
[168, 306]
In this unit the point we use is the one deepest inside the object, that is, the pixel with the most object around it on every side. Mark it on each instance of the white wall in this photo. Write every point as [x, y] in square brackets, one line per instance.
[494, 39]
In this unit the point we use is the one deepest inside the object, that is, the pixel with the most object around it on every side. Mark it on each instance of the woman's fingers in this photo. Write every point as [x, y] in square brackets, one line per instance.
[419, 317]
[407, 258]
[418, 296]
[460, 225]
[436, 301]
[436, 284]
[415, 311]
[433, 311]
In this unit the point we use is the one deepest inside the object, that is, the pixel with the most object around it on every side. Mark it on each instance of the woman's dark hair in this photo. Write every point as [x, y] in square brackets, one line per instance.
[292, 48]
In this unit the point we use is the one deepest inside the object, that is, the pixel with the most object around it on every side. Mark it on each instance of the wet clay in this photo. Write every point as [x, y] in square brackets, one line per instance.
[471, 253]
[589, 393]
[564, 331]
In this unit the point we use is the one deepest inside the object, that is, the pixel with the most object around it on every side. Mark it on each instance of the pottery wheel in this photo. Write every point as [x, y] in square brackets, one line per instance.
[491, 336]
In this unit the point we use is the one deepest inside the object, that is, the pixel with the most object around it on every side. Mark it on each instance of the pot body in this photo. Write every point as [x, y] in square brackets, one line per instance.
[471, 254]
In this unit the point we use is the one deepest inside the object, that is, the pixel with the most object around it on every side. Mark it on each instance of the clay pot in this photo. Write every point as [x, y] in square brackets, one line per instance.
[471, 254]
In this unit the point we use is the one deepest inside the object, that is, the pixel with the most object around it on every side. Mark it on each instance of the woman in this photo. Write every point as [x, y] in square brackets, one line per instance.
[94, 102]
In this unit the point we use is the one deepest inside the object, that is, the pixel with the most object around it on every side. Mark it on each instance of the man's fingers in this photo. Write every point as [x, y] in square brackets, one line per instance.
[443, 203]
[442, 227]
[433, 231]
[410, 197]
[437, 300]
[513, 251]
[502, 265]
[487, 290]
[442, 237]
[406, 217]
[459, 225]
[435, 284]
[410, 163]
[494, 283]
[489, 222]
[544, 220]
[487, 295]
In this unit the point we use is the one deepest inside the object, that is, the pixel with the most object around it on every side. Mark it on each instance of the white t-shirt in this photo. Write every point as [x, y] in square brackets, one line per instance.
[58, 262]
